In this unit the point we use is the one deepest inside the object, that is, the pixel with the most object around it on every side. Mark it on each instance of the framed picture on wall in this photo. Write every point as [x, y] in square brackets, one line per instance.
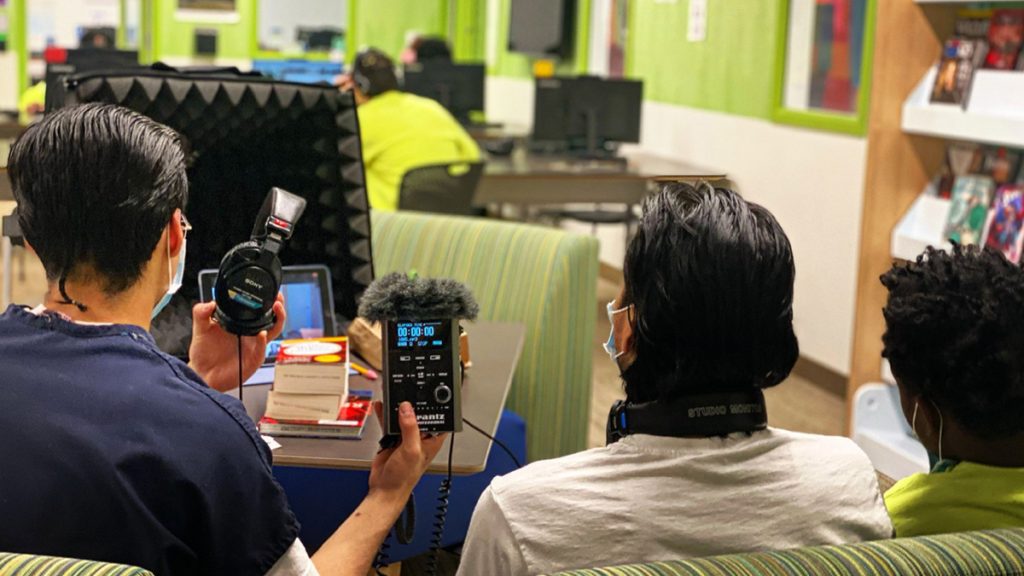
[824, 64]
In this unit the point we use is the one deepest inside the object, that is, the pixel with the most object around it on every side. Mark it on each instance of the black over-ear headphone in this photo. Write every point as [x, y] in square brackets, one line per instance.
[700, 416]
[250, 273]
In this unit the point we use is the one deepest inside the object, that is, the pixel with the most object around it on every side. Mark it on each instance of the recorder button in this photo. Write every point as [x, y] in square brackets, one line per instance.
[443, 394]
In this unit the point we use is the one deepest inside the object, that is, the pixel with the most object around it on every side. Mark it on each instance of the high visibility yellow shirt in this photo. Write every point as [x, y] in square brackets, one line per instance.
[957, 497]
[402, 131]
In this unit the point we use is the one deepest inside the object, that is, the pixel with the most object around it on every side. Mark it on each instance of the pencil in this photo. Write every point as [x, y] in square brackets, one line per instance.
[372, 375]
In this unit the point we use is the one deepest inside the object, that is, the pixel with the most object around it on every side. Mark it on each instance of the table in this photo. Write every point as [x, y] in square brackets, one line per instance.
[526, 178]
[495, 350]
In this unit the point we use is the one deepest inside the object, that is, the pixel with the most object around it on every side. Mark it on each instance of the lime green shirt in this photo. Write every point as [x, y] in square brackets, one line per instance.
[34, 95]
[402, 131]
[957, 497]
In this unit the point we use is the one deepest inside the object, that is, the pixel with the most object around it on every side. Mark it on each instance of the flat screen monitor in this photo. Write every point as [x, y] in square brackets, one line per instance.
[587, 111]
[457, 87]
[300, 71]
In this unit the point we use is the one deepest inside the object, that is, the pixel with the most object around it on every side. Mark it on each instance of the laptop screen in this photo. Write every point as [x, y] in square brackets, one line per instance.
[307, 300]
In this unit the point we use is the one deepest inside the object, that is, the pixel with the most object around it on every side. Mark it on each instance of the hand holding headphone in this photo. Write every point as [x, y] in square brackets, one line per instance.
[250, 273]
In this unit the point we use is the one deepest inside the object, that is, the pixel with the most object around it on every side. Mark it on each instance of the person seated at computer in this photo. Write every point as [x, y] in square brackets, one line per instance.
[703, 324]
[955, 340]
[400, 131]
[113, 450]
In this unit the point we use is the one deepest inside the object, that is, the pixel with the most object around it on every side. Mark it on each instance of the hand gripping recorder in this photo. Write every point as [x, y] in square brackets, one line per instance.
[420, 333]
[250, 274]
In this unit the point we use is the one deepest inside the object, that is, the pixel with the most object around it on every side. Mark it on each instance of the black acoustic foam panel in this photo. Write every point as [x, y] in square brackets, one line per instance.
[245, 135]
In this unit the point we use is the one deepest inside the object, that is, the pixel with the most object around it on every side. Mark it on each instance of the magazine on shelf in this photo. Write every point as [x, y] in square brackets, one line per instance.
[968, 212]
[1005, 37]
[960, 58]
[1006, 222]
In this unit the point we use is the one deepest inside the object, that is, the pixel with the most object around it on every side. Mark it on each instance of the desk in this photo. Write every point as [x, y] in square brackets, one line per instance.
[495, 348]
[526, 178]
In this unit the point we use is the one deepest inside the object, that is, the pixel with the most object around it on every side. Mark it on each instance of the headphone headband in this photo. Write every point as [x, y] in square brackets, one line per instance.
[698, 416]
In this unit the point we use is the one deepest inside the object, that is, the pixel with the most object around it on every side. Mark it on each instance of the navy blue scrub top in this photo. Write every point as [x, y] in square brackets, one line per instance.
[112, 450]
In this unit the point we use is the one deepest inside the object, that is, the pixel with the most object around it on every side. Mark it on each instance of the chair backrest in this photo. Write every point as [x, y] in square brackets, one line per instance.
[983, 553]
[32, 565]
[543, 278]
[441, 188]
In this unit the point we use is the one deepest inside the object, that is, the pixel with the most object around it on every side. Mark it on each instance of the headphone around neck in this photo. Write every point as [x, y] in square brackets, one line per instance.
[698, 416]
[250, 273]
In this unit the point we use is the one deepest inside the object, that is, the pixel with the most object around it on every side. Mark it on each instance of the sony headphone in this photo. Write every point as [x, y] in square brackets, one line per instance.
[250, 274]
[699, 416]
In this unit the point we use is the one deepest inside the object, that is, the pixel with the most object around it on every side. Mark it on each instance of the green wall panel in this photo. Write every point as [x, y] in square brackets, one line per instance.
[384, 23]
[731, 71]
[174, 38]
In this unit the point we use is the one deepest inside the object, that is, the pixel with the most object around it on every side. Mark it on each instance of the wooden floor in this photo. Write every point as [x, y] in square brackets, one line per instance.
[796, 404]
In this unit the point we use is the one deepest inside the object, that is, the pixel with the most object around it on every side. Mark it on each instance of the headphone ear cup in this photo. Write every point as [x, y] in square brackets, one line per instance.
[246, 289]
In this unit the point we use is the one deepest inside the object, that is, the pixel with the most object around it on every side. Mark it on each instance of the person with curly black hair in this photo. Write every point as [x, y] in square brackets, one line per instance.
[955, 340]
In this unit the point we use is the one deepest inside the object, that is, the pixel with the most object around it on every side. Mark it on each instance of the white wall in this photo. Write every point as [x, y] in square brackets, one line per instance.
[812, 181]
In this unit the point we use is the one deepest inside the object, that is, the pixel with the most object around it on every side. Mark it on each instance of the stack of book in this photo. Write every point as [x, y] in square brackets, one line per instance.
[310, 395]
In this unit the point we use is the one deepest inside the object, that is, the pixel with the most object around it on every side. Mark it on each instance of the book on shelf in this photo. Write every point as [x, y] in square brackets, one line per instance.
[1005, 37]
[968, 211]
[347, 423]
[961, 56]
[313, 366]
[1001, 164]
[1006, 222]
[962, 159]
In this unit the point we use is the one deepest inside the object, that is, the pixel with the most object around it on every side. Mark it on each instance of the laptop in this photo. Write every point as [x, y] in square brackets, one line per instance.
[308, 302]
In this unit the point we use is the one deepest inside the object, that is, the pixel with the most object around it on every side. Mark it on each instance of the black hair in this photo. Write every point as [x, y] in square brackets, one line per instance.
[955, 335]
[96, 186]
[374, 72]
[710, 278]
[429, 48]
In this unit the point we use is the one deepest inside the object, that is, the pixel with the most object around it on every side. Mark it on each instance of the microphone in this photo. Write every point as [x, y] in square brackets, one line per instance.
[419, 335]
[399, 297]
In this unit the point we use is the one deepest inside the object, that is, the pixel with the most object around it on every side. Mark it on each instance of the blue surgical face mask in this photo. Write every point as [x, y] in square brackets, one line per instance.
[609, 346]
[176, 278]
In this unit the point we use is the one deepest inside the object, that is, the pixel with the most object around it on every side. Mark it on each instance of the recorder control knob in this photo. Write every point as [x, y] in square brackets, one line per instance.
[443, 394]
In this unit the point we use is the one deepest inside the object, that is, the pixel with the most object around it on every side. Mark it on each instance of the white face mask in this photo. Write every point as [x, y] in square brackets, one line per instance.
[176, 278]
[609, 346]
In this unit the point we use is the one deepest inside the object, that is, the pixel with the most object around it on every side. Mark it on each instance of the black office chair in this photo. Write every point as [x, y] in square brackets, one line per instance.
[441, 188]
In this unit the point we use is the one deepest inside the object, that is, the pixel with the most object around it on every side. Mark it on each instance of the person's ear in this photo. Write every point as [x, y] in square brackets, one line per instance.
[175, 233]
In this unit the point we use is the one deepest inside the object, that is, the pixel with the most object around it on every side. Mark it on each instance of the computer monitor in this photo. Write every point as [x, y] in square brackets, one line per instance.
[318, 39]
[82, 60]
[300, 71]
[586, 112]
[457, 87]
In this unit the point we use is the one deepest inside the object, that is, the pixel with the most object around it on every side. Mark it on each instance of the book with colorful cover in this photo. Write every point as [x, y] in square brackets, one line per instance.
[1006, 222]
[972, 196]
[313, 366]
[349, 423]
[960, 58]
[1005, 37]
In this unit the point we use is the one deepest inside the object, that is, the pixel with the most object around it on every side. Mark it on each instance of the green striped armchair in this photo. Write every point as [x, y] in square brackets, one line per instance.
[540, 277]
[30, 565]
[984, 553]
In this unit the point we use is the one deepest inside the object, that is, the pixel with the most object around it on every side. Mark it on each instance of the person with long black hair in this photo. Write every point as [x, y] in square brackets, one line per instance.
[703, 324]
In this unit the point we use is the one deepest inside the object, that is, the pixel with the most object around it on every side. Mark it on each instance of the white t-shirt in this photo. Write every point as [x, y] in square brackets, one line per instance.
[648, 498]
